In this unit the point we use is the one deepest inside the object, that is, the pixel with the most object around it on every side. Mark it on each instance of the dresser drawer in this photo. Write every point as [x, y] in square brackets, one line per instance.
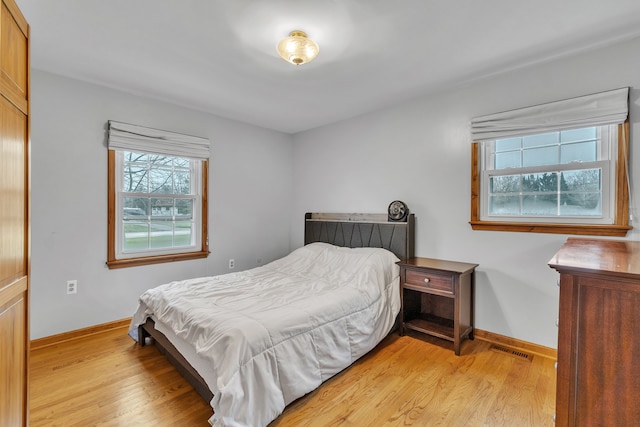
[430, 280]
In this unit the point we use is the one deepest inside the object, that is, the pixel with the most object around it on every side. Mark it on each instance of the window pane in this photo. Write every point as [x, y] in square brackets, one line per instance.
[504, 205]
[579, 152]
[182, 182]
[504, 184]
[162, 207]
[508, 144]
[138, 159]
[135, 178]
[578, 134]
[537, 194]
[160, 160]
[576, 145]
[509, 159]
[171, 222]
[184, 208]
[581, 192]
[581, 204]
[541, 205]
[180, 162]
[136, 208]
[183, 233]
[540, 156]
[161, 234]
[582, 180]
[540, 140]
[135, 236]
[161, 181]
[540, 182]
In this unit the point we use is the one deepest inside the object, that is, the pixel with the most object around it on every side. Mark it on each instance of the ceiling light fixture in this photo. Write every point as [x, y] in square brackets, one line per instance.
[297, 49]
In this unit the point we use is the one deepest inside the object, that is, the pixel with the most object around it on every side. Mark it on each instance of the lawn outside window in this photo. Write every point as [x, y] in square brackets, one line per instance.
[569, 177]
[157, 200]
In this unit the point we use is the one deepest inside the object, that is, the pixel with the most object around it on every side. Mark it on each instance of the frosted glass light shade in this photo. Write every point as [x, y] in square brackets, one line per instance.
[297, 49]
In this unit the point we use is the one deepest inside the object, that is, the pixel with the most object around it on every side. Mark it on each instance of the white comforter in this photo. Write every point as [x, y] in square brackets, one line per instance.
[276, 332]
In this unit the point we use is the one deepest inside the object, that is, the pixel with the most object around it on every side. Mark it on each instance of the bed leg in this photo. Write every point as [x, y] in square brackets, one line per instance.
[142, 336]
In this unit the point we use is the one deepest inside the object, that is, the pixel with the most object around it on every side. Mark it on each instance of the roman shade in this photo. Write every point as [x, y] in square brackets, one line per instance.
[604, 108]
[124, 136]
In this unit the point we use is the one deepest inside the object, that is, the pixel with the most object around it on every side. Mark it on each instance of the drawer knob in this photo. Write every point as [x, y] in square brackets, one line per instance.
[426, 280]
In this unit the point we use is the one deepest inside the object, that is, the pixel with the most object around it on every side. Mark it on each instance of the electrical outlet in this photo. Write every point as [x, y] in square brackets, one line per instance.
[72, 286]
[232, 264]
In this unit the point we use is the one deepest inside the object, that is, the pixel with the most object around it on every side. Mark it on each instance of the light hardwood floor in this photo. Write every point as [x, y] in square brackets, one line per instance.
[108, 380]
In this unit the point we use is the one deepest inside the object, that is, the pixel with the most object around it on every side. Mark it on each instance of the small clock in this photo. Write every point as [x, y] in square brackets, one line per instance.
[398, 211]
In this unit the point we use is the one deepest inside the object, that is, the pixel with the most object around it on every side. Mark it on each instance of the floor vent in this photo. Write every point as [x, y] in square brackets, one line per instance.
[516, 353]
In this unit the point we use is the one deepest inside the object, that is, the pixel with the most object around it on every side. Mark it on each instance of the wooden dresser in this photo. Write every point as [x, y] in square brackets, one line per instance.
[598, 378]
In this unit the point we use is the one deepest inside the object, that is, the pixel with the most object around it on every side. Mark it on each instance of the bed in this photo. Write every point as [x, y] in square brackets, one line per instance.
[252, 342]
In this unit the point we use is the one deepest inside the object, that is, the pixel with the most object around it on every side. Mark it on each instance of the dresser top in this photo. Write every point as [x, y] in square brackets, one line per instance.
[621, 257]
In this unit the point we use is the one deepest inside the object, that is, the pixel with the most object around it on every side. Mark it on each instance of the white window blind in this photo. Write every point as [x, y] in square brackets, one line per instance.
[127, 137]
[604, 108]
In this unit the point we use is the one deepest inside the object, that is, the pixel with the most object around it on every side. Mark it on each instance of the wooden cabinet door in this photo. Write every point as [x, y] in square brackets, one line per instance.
[14, 216]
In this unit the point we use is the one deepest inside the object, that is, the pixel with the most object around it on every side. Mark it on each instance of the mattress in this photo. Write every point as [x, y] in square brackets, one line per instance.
[264, 337]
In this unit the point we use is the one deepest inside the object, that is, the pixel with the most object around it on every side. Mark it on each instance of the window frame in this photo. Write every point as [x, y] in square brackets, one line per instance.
[620, 197]
[131, 260]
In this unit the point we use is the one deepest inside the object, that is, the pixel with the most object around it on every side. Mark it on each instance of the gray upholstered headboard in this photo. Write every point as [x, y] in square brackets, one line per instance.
[361, 230]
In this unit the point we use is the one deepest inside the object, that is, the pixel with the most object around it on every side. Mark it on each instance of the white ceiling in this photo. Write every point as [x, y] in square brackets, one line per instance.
[219, 56]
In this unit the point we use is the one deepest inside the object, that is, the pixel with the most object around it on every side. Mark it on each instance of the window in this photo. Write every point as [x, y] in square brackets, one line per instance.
[160, 200]
[157, 200]
[547, 177]
[566, 178]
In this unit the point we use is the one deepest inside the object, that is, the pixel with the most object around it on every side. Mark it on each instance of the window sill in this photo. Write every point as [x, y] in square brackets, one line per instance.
[529, 227]
[135, 262]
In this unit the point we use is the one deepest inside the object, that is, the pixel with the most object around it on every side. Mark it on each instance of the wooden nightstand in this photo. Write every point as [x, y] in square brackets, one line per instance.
[437, 298]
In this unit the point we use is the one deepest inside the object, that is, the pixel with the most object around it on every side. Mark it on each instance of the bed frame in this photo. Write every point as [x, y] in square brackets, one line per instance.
[349, 230]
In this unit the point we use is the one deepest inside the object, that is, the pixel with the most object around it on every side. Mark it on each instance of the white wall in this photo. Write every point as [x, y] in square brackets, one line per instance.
[419, 152]
[250, 190]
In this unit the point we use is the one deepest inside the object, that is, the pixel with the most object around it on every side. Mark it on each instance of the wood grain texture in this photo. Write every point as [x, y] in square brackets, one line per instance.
[106, 379]
[79, 333]
[14, 216]
[622, 177]
[412, 381]
[13, 187]
[516, 344]
[437, 298]
[618, 258]
[14, 61]
[475, 182]
[13, 364]
[598, 356]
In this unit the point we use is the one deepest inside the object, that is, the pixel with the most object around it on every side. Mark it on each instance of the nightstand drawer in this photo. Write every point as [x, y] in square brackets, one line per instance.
[429, 280]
